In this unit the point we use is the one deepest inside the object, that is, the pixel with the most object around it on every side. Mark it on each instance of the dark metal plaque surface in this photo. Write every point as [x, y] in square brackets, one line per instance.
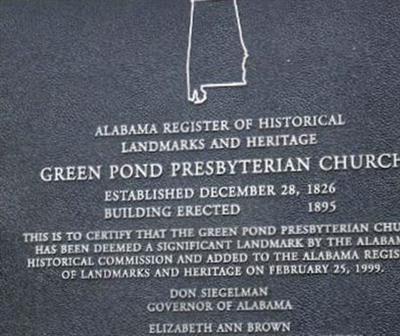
[177, 167]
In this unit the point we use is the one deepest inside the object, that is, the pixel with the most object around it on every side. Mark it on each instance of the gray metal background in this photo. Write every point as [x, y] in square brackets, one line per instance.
[68, 66]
